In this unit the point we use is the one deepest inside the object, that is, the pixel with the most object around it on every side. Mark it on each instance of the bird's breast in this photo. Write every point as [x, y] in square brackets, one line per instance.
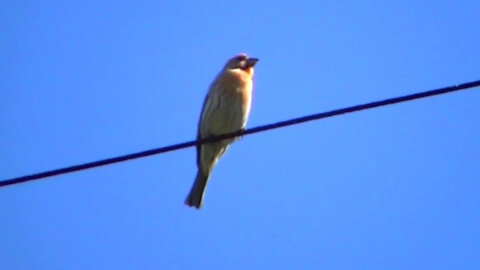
[228, 104]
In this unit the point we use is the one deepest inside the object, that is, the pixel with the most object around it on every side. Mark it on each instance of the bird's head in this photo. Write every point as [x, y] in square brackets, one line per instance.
[243, 62]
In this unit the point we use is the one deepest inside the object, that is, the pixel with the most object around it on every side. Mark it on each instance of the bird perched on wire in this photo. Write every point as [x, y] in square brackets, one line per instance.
[225, 110]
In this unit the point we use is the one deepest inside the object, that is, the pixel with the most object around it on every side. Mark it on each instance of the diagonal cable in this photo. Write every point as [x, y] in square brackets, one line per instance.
[258, 129]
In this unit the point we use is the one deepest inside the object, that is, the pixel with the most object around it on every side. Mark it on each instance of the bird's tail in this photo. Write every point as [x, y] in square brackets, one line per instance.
[195, 196]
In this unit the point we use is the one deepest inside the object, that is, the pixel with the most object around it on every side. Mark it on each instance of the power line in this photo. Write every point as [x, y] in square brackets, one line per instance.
[281, 124]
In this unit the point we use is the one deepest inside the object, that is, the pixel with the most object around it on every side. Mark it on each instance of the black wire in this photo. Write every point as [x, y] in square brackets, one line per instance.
[294, 121]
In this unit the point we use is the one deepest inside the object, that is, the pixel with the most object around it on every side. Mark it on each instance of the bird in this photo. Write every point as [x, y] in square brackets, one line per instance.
[225, 110]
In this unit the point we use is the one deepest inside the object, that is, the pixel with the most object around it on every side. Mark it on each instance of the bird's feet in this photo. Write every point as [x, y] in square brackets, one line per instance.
[239, 137]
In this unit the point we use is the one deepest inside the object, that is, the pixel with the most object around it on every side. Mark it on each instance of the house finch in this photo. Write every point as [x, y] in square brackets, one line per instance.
[225, 110]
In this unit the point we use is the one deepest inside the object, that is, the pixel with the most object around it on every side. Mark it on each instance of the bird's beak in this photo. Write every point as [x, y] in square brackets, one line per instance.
[251, 62]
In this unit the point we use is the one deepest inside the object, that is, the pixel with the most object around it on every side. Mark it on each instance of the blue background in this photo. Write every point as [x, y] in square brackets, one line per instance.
[390, 188]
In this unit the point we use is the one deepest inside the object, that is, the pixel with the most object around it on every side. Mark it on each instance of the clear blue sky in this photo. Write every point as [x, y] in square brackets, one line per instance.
[390, 188]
